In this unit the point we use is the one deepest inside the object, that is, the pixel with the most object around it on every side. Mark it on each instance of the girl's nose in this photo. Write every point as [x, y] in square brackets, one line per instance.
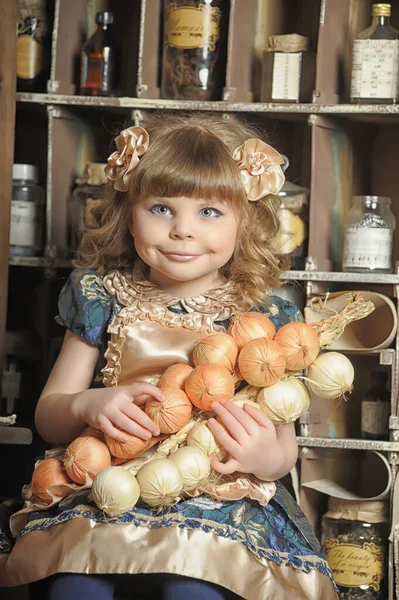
[181, 230]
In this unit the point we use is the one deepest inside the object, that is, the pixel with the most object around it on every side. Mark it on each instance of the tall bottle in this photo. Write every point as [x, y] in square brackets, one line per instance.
[375, 61]
[376, 408]
[98, 63]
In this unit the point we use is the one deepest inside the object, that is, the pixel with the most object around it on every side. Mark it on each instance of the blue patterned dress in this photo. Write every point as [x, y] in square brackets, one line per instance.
[257, 551]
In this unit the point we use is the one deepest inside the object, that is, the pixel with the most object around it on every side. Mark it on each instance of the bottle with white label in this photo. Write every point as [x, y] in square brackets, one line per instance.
[27, 212]
[375, 61]
[369, 231]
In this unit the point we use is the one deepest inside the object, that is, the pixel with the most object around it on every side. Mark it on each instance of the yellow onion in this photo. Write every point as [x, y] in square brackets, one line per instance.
[115, 491]
[132, 448]
[173, 412]
[331, 375]
[92, 432]
[175, 376]
[250, 326]
[160, 482]
[284, 401]
[86, 455]
[50, 472]
[193, 464]
[237, 377]
[216, 348]
[300, 343]
[202, 437]
[209, 383]
[262, 362]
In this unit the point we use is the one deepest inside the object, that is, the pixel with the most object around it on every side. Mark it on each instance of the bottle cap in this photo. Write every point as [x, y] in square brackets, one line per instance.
[26, 172]
[104, 18]
[381, 10]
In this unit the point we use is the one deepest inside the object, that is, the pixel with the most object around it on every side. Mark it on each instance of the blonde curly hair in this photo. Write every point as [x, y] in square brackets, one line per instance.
[191, 155]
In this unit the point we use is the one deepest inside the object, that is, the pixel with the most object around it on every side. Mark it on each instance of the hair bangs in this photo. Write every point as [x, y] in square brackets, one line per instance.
[190, 162]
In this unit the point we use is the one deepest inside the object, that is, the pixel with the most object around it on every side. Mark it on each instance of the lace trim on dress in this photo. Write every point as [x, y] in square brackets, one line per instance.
[130, 288]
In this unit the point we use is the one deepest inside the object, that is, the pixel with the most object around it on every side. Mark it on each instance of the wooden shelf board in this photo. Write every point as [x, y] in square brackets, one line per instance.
[347, 444]
[15, 436]
[219, 106]
[340, 277]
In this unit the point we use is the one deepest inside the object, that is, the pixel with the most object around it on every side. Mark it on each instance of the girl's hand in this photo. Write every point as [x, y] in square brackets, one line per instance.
[252, 442]
[116, 410]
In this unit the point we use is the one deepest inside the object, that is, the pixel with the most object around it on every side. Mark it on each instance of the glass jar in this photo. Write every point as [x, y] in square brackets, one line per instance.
[195, 49]
[27, 212]
[369, 230]
[354, 535]
[294, 219]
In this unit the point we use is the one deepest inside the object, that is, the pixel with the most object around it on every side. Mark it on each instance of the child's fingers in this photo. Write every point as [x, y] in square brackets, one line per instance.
[245, 419]
[132, 427]
[258, 416]
[231, 466]
[107, 428]
[138, 416]
[228, 443]
[138, 389]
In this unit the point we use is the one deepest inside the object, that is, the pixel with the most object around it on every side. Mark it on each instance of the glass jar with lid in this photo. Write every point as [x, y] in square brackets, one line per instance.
[355, 538]
[369, 232]
[27, 212]
[294, 218]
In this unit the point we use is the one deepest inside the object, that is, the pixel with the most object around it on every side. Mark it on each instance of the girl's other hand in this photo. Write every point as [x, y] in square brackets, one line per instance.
[116, 410]
[251, 439]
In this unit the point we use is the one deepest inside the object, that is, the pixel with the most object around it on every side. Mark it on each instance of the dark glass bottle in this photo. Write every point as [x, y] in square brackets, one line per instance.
[98, 62]
[376, 408]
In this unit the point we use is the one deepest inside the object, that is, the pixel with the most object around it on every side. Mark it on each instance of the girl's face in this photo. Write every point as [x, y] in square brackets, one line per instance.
[184, 241]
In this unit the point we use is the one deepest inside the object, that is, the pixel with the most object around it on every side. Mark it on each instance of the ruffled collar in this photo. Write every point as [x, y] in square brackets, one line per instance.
[132, 287]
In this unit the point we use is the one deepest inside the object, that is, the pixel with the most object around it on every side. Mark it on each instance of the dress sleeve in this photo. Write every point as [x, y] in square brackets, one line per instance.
[281, 311]
[85, 306]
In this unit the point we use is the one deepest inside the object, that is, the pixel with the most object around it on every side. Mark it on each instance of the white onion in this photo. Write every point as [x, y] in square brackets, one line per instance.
[202, 437]
[250, 392]
[331, 375]
[242, 401]
[115, 491]
[284, 401]
[193, 464]
[160, 482]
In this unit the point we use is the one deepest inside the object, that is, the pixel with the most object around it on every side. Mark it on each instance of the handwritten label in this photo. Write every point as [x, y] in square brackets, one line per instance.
[368, 247]
[353, 565]
[189, 27]
[375, 69]
[286, 76]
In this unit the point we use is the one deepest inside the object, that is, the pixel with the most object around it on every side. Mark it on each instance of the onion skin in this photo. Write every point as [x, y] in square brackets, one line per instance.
[216, 348]
[160, 482]
[202, 437]
[209, 383]
[250, 326]
[172, 413]
[193, 464]
[262, 362]
[50, 472]
[132, 448]
[175, 376]
[115, 491]
[279, 403]
[300, 343]
[86, 455]
[331, 375]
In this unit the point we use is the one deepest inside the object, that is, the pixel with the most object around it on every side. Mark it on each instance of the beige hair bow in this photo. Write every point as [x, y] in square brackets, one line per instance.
[131, 144]
[260, 169]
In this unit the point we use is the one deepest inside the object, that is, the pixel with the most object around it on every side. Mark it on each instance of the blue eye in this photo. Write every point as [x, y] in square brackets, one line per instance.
[209, 212]
[160, 209]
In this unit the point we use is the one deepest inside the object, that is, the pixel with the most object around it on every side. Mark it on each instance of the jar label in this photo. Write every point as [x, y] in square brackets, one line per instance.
[286, 76]
[26, 227]
[375, 417]
[368, 248]
[189, 27]
[375, 69]
[30, 57]
[353, 565]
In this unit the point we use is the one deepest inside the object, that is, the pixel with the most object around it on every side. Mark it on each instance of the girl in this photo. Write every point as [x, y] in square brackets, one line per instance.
[185, 239]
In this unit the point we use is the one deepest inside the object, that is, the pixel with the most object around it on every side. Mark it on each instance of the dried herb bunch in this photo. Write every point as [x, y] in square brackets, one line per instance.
[194, 53]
